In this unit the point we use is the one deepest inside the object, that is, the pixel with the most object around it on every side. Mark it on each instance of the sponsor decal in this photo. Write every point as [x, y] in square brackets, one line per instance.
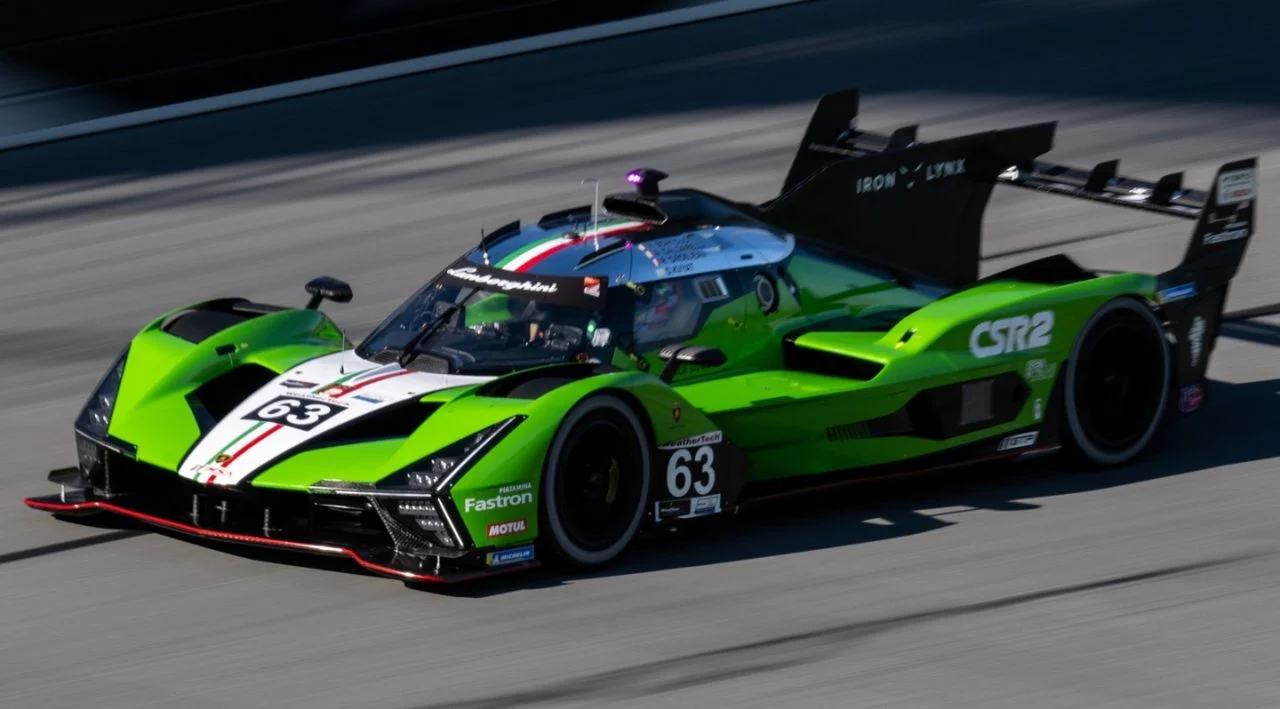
[702, 439]
[1014, 334]
[668, 509]
[1237, 186]
[1190, 398]
[1021, 440]
[501, 501]
[1039, 370]
[296, 384]
[469, 273]
[675, 412]
[506, 529]
[601, 337]
[367, 399]
[296, 412]
[687, 508]
[1039, 409]
[909, 176]
[509, 556]
[707, 505]
[1225, 235]
[1182, 292]
[1195, 340]
[591, 286]
[209, 474]
[221, 458]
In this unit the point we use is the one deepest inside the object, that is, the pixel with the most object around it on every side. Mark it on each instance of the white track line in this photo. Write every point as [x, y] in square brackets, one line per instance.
[328, 82]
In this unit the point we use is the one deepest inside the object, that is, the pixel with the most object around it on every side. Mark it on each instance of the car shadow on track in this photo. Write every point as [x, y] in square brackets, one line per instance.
[1228, 430]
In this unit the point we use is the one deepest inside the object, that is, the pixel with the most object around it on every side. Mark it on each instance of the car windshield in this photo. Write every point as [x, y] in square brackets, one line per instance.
[488, 330]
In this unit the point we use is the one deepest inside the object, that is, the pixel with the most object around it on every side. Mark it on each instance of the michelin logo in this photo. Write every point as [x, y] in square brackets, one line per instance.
[509, 556]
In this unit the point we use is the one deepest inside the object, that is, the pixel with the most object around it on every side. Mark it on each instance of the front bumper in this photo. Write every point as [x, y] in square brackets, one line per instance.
[351, 527]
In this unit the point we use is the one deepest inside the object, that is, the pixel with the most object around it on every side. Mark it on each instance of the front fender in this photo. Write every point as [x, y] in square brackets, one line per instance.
[155, 409]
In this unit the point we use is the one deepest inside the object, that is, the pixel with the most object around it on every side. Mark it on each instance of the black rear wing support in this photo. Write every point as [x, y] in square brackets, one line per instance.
[917, 207]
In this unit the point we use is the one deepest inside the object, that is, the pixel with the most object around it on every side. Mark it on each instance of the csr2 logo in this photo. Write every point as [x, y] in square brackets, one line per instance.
[997, 337]
[302, 414]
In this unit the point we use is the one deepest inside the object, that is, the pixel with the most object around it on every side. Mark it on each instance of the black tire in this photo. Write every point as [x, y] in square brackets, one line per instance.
[1116, 385]
[595, 483]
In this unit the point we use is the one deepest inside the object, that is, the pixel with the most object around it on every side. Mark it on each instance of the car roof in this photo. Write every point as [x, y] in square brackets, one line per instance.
[699, 233]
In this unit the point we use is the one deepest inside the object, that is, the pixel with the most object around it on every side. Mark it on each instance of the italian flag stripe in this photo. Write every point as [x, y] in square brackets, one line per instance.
[254, 442]
[519, 258]
[526, 258]
[340, 380]
[234, 441]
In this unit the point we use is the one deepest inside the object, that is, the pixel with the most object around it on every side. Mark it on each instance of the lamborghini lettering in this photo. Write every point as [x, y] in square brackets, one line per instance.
[1020, 332]
[506, 285]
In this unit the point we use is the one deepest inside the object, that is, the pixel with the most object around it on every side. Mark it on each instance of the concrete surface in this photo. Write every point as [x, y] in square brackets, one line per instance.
[1150, 586]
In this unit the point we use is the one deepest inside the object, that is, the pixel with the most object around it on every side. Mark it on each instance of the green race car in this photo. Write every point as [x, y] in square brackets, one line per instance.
[666, 355]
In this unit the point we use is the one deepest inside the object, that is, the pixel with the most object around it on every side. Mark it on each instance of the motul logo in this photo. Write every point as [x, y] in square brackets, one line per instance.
[503, 529]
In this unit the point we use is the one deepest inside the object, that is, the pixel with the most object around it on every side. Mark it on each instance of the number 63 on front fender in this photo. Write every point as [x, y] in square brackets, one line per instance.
[695, 477]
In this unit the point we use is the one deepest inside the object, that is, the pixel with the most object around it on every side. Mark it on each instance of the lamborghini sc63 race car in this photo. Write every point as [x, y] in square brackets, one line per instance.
[662, 356]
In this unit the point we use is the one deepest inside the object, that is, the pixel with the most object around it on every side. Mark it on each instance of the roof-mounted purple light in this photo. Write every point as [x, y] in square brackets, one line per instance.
[646, 180]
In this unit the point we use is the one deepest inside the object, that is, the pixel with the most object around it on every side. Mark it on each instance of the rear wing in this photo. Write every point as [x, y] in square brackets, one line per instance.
[917, 207]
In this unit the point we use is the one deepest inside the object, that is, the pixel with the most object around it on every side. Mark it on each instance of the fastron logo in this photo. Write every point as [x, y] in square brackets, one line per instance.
[497, 502]
[1015, 334]
[504, 529]
[469, 274]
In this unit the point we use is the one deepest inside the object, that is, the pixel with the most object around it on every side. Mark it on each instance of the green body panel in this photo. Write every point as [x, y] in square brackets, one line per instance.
[151, 409]
[779, 417]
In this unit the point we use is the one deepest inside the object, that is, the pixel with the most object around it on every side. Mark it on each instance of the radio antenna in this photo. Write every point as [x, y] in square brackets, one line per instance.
[342, 358]
[595, 212]
[483, 248]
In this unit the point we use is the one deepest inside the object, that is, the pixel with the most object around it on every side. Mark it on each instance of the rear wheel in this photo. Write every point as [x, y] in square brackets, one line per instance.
[1117, 383]
[595, 482]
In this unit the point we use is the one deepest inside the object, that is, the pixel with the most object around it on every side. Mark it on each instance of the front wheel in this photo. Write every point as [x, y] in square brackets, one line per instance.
[595, 482]
[1117, 383]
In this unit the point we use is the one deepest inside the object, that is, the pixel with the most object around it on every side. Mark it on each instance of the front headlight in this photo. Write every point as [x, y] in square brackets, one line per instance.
[419, 504]
[438, 471]
[96, 414]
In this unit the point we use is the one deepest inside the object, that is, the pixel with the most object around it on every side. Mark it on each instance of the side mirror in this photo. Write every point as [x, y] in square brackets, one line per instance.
[676, 355]
[327, 287]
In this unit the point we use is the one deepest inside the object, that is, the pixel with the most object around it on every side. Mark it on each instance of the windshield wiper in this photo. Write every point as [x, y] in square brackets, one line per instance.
[413, 347]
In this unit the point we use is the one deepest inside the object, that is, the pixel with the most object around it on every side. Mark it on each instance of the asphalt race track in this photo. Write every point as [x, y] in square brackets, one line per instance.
[1156, 585]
